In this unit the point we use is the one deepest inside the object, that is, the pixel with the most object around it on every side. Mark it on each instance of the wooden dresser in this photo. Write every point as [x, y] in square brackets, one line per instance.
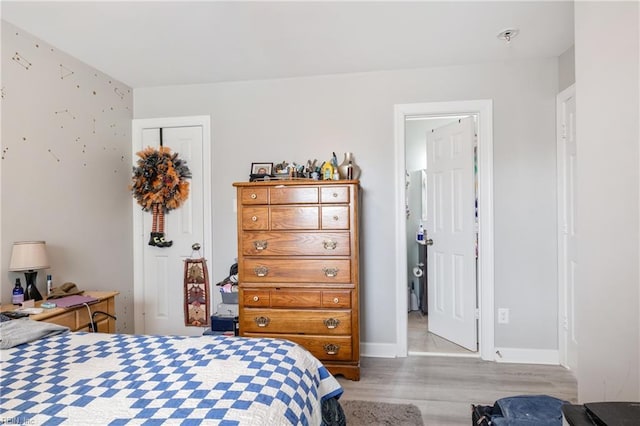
[78, 318]
[298, 267]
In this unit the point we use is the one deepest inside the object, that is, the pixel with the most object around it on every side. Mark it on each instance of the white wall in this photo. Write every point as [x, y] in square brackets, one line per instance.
[66, 165]
[301, 118]
[607, 94]
[567, 68]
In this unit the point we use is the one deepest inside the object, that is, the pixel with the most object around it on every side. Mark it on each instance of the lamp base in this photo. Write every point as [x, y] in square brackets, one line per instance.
[31, 292]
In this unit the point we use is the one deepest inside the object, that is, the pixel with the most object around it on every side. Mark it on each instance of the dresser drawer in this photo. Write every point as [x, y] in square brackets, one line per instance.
[296, 270]
[294, 217]
[293, 195]
[255, 218]
[325, 348]
[254, 195]
[255, 298]
[256, 243]
[293, 298]
[336, 194]
[335, 217]
[67, 319]
[336, 298]
[296, 321]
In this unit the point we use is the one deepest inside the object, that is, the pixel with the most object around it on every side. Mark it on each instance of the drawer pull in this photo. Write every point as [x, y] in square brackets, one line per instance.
[261, 271]
[336, 218]
[336, 300]
[331, 322]
[254, 218]
[256, 298]
[330, 272]
[260, 244]
[262, 321]
[329, 244]
[335, 195]
[254, 196]
[331, 348]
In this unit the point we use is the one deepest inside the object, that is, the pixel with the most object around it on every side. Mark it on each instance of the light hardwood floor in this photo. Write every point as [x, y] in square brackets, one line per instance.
[445, 387]
[420, 340]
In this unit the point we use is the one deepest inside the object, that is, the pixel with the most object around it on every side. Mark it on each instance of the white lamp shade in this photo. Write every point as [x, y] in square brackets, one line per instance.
[29, 255]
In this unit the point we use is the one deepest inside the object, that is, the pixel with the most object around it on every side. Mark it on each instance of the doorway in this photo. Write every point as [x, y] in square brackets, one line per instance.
[441, 268]
[483, 110]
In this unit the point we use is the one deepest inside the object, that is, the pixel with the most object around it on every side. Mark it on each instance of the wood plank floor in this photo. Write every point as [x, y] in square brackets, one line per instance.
[445, 387]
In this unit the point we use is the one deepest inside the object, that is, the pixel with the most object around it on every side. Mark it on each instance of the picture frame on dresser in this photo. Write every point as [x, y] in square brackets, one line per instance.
[261, 168]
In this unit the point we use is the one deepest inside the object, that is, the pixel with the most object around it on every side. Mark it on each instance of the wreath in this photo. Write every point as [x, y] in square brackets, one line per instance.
[159, 184]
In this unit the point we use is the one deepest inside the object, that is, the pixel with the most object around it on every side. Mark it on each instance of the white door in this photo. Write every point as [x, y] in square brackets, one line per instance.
[160, 271]
[451, 260]
[567, 233]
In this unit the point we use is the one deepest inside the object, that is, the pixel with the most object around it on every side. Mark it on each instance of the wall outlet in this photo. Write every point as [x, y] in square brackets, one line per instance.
[503, 315]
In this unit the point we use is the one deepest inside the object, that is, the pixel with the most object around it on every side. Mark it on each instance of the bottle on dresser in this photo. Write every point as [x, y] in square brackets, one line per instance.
[18, 293]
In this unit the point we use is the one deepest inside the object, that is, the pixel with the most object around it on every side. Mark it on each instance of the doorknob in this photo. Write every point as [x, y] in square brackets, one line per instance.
[428, 242]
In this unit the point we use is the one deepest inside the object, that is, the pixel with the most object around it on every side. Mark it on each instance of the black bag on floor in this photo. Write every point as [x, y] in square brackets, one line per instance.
[522, 410]
[481, 414]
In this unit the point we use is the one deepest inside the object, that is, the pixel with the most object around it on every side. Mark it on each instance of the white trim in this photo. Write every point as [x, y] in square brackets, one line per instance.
[527, 356]
[446, 355]
[561, 98]
[137, 125]
[484, 109]
[377, 350]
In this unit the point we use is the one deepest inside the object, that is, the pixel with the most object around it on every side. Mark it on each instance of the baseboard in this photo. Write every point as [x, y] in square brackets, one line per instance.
[527, 356]
[378, 350]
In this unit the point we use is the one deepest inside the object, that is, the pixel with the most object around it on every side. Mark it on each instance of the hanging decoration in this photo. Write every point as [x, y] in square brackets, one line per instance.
[159, 185]
[196, 291]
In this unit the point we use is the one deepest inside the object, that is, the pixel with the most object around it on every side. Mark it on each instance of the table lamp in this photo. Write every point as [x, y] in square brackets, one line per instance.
[29, 256]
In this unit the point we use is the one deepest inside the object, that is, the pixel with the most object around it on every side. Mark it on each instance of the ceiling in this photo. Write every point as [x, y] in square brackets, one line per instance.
[158, 43]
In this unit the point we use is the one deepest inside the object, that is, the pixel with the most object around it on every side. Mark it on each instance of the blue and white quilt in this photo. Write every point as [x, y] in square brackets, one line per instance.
[117, 379]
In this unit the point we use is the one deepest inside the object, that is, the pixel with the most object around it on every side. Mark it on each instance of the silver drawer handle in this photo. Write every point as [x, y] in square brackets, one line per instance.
[335, 195]
[329, 244]
[262, 321]
[336, 218]
[331, 349]
[256, 298]
[254, 196]
[330, 272]
[331, 322]
[336, 300]
[260, 244]
[254, 218]
[261, 271]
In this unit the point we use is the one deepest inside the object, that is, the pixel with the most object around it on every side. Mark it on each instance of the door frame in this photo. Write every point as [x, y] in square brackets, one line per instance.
[137, 125]
[564, 323]
[484, 110]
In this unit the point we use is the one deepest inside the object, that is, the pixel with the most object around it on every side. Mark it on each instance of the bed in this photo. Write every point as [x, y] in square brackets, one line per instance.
[60, 377]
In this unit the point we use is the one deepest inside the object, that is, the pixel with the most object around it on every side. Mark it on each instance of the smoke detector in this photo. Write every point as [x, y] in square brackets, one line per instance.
[508, 34]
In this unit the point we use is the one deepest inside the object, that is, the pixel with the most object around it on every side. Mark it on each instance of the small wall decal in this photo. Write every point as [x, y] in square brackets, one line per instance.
[21, 60]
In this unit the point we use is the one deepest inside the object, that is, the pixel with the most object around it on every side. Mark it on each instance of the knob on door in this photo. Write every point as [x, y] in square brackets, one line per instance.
[428, 242]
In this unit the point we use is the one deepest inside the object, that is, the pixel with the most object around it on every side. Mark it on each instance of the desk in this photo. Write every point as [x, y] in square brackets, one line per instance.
[78, 318]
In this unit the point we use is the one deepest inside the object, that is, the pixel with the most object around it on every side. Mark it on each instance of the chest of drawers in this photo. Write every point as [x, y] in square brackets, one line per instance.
[298, 267]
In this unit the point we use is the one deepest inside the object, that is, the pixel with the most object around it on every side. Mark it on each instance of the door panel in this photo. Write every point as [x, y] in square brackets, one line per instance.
[451, 260]
[163, 270]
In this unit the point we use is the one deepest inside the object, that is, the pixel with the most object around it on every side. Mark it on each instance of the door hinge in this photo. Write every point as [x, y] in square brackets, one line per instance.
[477, 313]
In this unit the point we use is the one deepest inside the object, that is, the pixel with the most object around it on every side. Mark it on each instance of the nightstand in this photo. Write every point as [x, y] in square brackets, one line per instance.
[78, 318]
